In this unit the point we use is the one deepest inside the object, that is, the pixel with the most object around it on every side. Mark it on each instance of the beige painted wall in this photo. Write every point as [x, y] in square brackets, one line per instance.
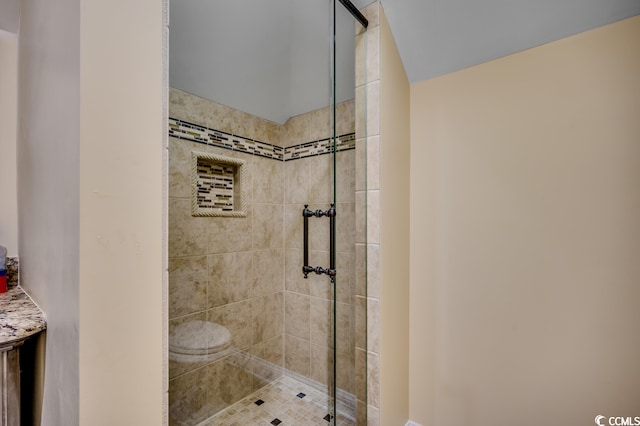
[48, 179]
[123, 135]
[91, 137]
[394, 232]
[8, 127]
[525, 224]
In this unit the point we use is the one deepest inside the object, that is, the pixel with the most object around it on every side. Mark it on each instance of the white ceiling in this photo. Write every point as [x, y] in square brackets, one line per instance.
[435, 37]
[271, 58]
[9, 15]
[268, 58]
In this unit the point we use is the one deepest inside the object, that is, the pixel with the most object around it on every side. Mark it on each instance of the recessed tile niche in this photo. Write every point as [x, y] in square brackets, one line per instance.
[218, 185]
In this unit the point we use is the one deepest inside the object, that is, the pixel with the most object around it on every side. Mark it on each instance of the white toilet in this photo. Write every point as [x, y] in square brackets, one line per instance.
[199, 341]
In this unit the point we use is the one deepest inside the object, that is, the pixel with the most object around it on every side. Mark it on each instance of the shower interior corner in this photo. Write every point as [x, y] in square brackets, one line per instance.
[244, 325]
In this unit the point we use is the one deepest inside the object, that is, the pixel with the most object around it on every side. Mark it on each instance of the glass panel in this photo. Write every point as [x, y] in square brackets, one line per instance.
[267, 88]
[344, 195]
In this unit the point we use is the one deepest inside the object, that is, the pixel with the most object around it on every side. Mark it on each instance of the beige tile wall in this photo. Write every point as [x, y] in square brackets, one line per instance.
[309, 302]
[245, 273]
[367, 200]
[382, 183]
[225, 270]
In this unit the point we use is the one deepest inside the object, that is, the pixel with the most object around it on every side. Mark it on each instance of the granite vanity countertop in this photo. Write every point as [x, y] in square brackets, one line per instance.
[19, 317]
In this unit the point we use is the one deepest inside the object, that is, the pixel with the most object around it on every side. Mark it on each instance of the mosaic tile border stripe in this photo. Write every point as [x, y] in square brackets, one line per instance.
[320, 147]
[204, 135]
[195, 133]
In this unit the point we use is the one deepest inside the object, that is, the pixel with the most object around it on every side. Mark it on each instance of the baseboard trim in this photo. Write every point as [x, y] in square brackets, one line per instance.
[410, 423]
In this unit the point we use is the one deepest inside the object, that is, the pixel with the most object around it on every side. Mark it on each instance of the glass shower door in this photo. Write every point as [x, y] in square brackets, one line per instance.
[347, 297]
[262, 124]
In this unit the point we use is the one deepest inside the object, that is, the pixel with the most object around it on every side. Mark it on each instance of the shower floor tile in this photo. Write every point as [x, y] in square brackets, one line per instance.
[283, 402]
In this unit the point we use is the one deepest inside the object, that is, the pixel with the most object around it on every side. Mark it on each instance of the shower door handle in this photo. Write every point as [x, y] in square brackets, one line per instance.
[306, 214]
[306, 268]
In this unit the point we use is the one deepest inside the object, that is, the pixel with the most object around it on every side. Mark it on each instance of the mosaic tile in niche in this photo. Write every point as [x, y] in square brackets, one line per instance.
[215, 186]
[219, 185]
